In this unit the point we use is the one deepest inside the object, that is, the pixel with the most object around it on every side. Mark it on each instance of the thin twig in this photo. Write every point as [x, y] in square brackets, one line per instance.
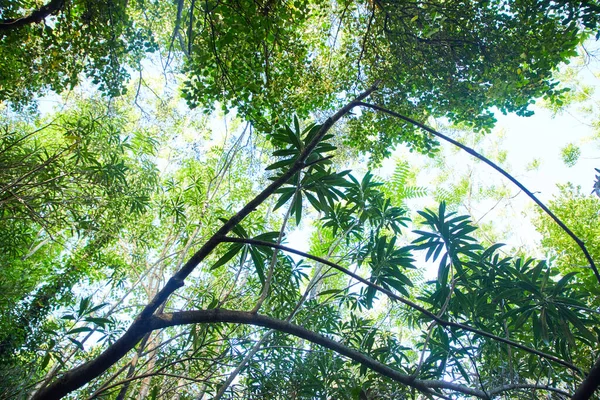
[406, 301]
[500, 170]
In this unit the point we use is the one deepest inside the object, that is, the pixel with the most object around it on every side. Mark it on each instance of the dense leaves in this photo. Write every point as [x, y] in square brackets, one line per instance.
[132, 224]
[68, 183]
[97, 38]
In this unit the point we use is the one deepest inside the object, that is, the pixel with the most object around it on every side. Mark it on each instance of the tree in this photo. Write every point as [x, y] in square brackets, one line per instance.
[49, 47]
[492, 323]
[68, 181]
[580, 212]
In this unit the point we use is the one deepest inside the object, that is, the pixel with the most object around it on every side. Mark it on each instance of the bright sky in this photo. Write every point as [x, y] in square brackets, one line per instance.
[525, 139]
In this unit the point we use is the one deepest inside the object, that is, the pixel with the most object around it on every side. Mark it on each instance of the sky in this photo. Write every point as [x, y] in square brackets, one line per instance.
[524, 139]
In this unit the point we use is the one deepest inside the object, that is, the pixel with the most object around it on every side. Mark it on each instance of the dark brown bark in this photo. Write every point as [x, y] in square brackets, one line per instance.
[589, 385]
[213, 316]
[83, 374]
[35, 17]
[248, 318]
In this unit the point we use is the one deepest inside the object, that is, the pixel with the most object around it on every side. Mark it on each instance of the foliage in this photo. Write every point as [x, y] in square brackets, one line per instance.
[580, 212]
[69, 183]
[400, 186]
[96, 38]
[455, 61]
[148, 251]
[578, 96]
[570, 154]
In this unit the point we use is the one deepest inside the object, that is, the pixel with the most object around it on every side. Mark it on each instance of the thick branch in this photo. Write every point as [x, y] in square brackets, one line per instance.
[33, 18]
[500, 170]
[409, 303]
[83, 374]
[587, 388]
[241, 317]
[248, 318]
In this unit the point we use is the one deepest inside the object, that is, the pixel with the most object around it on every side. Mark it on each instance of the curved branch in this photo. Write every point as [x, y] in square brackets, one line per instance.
[33, 18]
[500, 170]
[589, 385]
[409, 303]
[247, 318]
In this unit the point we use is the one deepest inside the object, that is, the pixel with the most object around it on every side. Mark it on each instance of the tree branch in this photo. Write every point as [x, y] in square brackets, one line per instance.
[497, 168]
[35, 17]
[248, 318]
[409, 303]
[162, 321]
[83, 374]
[589, 385]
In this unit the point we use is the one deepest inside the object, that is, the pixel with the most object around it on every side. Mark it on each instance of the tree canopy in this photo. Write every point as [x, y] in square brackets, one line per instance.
[150, 220]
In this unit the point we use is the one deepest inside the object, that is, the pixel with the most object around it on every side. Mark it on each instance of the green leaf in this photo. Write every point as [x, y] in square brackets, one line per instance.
[285, 152]
[297, 207]
[443, 272]
[76, 343]
[462, 371]
[398, 285]
[314, 202]
[240, 231]
[233, 250]
[258, 260]
[96, 308]
[99, 321]
[287, 193]
[79, 330]
[560, 286]
[296, 125]
[280, 164]
[294, 138]
[83, 306]
[329, 291]
[45, 361]
[268, 237]
[544, 326]
[578, 324]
